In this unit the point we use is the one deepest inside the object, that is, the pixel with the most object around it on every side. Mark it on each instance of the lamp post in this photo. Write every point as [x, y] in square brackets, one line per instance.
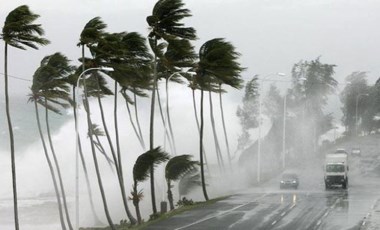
[260, 114]
[77, 146]
[356, 110]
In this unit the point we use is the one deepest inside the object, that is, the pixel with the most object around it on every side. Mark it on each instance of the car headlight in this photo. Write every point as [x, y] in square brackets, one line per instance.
[294, 182]
[282, 182]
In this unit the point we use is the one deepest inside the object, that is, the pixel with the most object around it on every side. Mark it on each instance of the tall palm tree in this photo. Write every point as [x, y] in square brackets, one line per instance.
[19, 31]
[141, 172]
[50, 90]
[164, 23]
[217, 60]
[50, 80]
[90, 36]
[176, 168]
[108, 51]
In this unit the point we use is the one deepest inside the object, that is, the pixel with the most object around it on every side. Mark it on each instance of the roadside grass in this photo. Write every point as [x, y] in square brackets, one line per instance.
[162, 217]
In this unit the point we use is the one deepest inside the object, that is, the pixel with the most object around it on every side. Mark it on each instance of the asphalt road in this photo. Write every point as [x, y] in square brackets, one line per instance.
[309, 207]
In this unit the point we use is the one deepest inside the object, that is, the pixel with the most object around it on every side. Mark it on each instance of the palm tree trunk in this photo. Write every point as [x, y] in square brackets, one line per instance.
[116, 161]
[151, 132]
[201, 151]
[169, 120]
[196, 119]
[89, 190]
[137, 121]
[117, 132]
[129, 214]
[217, 146]
[11, 138]
[100, 183]
[57, 168]
[170, 195]
[132, 123]
[136, 201]
[224, 126]
[57, 194]
[164, 123]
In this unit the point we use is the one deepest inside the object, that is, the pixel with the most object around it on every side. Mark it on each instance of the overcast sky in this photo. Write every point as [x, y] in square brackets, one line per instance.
[271, 35]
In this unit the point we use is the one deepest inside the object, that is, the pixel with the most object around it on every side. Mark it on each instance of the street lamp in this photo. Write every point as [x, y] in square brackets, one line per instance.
[356, 110]
[77, 145]
[260, 113]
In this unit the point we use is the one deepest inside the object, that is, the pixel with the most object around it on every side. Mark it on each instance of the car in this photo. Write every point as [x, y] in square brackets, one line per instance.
[289, 180]
[356, 151]
[340, 150]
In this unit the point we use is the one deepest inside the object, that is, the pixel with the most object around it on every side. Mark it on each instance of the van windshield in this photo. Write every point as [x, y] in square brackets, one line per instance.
[335, 168]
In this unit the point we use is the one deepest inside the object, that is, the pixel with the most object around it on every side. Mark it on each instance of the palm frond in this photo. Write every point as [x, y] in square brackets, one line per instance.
[19, 30]
[179, 166]
[147, 160]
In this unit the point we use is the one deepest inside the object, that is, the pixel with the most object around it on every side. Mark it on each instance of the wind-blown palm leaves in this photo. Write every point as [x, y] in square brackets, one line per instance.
[217, 63]
[175, 169]
[20, 32]
[164, 23]
[141, 171]
[50, 90]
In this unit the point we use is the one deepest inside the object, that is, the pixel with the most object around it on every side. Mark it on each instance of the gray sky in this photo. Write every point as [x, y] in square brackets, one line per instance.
[271, 35]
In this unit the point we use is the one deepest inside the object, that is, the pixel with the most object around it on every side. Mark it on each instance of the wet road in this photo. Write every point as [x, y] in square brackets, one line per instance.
[309, 207]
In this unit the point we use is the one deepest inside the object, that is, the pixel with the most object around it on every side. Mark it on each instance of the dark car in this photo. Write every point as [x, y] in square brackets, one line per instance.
[289, 180]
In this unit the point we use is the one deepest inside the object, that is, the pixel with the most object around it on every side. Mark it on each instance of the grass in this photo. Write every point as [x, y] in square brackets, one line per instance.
[163, 216]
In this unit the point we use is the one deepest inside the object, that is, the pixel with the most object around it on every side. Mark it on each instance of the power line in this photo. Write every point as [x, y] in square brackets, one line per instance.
[18, 78]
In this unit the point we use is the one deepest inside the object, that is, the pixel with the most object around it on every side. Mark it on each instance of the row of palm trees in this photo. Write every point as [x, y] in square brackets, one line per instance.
[137, 70]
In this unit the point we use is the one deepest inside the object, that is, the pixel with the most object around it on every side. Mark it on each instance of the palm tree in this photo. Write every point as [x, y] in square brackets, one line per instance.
[176, 168]
[141, 172]
[19, 32]
[90, 36]
[165, 23]
[51, 85]
[49, 90]
[217, 60]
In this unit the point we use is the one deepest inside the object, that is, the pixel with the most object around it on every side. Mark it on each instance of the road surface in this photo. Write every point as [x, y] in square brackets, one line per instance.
[309, 207]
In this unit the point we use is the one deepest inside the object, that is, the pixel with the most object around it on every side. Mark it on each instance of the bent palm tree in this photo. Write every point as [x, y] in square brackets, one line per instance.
[141, 171]
[176, 168]
[165, 23]
[217, 61]
[19, 32]
[49, 90]
[90, 36]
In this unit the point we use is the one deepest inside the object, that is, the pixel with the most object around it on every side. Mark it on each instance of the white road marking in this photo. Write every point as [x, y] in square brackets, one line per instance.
[221, 213]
